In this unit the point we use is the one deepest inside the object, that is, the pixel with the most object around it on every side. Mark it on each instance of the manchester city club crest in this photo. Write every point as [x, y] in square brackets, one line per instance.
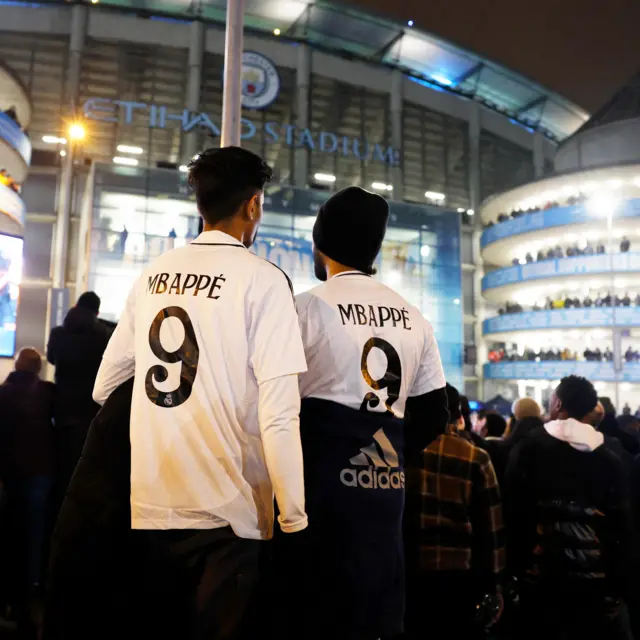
[260, 81]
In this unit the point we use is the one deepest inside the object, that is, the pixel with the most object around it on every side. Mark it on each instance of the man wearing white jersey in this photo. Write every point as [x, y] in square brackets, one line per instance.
[372, 360]
[211, 335]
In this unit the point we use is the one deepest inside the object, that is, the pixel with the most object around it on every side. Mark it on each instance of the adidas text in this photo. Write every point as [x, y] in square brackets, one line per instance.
[372, 478]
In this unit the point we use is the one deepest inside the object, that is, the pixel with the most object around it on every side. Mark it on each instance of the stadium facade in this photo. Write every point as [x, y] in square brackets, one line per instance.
[332, 97]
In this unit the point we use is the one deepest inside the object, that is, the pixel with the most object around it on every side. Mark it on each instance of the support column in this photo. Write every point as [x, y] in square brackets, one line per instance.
[79, 17]
[194, 83]
[474, 156]
[395, 103]
[538, 154]
[303, 83]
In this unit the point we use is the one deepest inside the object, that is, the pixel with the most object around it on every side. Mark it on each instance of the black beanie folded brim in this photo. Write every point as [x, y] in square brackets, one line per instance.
[351, 226]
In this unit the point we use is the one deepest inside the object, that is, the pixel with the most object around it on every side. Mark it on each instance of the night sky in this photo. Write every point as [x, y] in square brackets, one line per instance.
[583, 49]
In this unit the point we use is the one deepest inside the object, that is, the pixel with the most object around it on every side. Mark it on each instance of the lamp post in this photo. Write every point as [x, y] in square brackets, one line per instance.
[59, 294]
[232, 90]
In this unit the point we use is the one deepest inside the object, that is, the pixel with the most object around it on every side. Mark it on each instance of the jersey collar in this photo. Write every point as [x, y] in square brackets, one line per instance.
[217, 239]
[351, 273]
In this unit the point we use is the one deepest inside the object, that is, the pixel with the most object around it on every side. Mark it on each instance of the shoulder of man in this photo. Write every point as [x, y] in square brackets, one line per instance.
[270, 271]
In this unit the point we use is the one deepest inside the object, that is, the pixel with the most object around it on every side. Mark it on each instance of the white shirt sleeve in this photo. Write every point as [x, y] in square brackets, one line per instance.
[275, 345]
[279, 418]
[430, 374]
[118, 361]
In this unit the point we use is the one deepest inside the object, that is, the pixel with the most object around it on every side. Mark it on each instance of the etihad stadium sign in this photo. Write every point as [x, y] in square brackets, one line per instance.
[273, 132]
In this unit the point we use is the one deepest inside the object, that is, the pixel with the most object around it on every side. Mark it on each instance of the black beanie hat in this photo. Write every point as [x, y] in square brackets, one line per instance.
[350, 227]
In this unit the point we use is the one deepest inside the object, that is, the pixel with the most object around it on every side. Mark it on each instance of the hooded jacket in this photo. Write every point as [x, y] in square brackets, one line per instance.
[567, 511]
[75, 349]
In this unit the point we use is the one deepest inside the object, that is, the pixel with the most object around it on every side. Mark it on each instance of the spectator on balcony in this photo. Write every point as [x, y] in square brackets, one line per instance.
[13, 114]
[588, 302]
[625, 245]
[637, 300]
[558, 304]
[600, 249]
[576, 303]
[626, 301]
[607, 300]
[597, 354]
[529, 258]
[571, 252]
[551, 254]
[608, 355]
[588, 250]
[515, 262]
[503, 217]
[548, 305]
[558, 253]
[541, 257]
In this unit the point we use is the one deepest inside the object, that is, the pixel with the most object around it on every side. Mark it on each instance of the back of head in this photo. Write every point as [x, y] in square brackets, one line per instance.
[496, 425]
[29, 360]
[223, 179]
[575, 397]
[350, 228]
[454, 404]
[525, 408]
[89, 301]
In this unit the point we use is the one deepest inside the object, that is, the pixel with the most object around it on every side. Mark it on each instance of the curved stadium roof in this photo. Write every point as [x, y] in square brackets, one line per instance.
[423, 56]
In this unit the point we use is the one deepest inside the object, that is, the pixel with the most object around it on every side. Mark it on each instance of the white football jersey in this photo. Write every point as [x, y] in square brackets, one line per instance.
[366, 347]
[203, 327]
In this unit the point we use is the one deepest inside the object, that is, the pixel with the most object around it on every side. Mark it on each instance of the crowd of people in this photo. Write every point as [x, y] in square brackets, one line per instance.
[599, 300]
[223, 397]
[572, 251]
[8, 181]
[43, 426]
[502, 354]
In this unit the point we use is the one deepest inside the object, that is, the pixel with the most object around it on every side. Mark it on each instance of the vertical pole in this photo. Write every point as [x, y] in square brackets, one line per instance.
[395, 103]
[538, 154]
[232, 92]
[79, 17]
[474, 202]
[194, 83]
[58, 276]
[303, 82]
[474, 156]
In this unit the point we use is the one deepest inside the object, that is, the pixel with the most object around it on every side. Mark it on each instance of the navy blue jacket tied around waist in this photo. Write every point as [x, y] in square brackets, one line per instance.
[354, 468]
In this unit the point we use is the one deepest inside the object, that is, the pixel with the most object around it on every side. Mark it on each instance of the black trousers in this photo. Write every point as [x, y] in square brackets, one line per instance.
[442, 606]
[201, 585]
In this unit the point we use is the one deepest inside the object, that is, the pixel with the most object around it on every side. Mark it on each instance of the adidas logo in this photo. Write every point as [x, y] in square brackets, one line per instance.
[380, 454]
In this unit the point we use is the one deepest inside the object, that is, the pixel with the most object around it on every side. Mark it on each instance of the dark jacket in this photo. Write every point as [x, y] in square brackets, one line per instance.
[568, 518]
[75, 349]
[93, 565]
[26, 437]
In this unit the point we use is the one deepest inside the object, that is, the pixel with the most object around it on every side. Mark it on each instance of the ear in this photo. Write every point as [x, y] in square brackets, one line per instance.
[252, 207]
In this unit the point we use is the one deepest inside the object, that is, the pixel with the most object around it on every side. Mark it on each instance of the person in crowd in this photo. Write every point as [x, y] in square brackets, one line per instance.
[600, 248]
[214, 438]
[75, 349]
[589, 250]
[454, 537]
[551, 254]
[372, 360]
[637, 300]
[562, 478]
[529, 258]
[122, 240]
[625, 245]
[541, 257]
[495, 426]
[558, 252]
[12, 113]
[610, 427]
[588, 302]
[626, 410]
[26, 470]
[626, 300]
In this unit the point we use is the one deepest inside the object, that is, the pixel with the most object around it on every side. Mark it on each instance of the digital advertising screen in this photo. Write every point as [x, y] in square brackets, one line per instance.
[10, 276]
